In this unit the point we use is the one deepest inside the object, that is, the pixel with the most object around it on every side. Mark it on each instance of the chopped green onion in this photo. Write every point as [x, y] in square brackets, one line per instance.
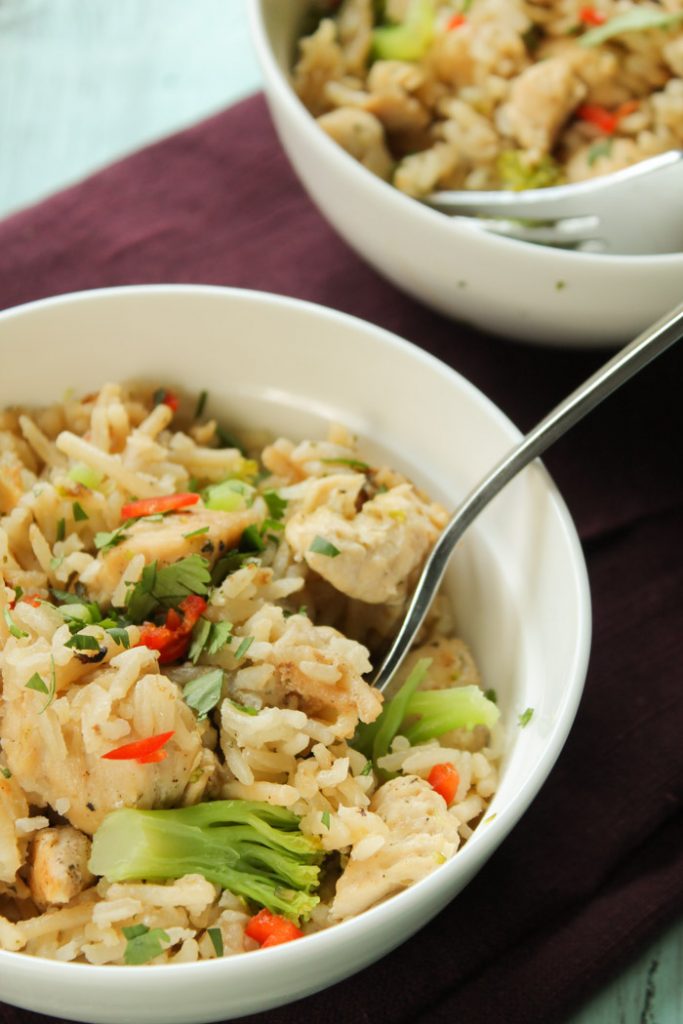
[18, 634]
[228, 496]
[215, 934]
[525, 717]
[61, 529]
[201, 403]
[635, 20]
[80, 473]
[244, 647]
[251, 539]
[244, 708]
[196, 533]
[320, 546]
[325, 819]
[80, 515]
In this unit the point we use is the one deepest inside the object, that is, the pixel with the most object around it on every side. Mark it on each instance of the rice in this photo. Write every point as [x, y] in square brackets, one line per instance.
[499, 93]
[284, 632]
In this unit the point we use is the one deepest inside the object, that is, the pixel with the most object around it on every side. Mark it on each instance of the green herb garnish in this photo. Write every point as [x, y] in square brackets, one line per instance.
[80, 473]
[251, 539]
[5, 772]
[361, 467]
[325, 819]
[635, 20]
[61, 529]
[215, 934]
[16, 632]
[603, 147]
[208, 638]
[491, 695]
[244, 647]
[203, 693]
[277, 506]
[37, 683]
[143, 944]
[323, 547]
[201, 403]
[168, 586]
[83, 642]
[107, 541]
[525, 717]
[196, 533]
[79, 513]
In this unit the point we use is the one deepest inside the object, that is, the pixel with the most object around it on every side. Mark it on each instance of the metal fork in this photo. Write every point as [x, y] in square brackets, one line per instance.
[635, 210]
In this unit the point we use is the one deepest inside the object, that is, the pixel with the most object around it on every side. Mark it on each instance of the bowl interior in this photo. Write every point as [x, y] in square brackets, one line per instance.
[518, 579]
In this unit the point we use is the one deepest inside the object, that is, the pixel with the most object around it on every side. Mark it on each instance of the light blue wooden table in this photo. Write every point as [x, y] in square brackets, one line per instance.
[83, 82]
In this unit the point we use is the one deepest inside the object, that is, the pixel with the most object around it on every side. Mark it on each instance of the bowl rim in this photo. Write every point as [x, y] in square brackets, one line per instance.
[401, 203]
[484, 841]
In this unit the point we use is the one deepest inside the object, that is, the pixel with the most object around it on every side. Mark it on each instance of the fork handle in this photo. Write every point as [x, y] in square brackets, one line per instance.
[620, 368]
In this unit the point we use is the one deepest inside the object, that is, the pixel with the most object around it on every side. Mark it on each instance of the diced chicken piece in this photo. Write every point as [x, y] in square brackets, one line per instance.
[321, 61]
[540, 101]
[59, 865]
[323, 668]
[479, 50]
[452, 664]
[392, 84]
[13, 805]
[166, 542]
[361, 134]
[371, 554]
[57, 751]
[422, 835]
[354, 25]
[419, 174]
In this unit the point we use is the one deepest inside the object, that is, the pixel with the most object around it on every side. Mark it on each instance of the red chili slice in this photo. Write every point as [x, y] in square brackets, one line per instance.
[455, 22]
[270, 929]
[140, 750]
[444, 779]
[589, 16]
[172, 640]
[155, 506]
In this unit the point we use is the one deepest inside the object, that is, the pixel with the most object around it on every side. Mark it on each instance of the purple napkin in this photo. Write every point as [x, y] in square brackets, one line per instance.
[595, 868]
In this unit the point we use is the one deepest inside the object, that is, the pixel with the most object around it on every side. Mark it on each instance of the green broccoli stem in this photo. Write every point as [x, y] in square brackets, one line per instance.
[229, 842]
[458, 707]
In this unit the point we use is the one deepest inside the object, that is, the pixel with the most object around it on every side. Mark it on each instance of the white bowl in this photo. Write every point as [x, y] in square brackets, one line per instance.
[518, 578]
[534, 293]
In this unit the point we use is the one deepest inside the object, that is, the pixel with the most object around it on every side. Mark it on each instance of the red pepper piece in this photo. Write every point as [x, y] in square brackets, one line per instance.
[603, 119]
[589, 16]
[33, 599]
[172, 640]
[140, 750]
[455, 22]
[172, 401]
[444, 780]
[155, 506]
[270, 929]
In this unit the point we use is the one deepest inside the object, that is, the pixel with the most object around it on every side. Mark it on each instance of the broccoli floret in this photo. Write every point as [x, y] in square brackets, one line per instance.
[252, 849]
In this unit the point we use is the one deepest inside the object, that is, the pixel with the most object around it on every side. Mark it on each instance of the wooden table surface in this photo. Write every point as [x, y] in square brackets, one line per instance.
[83, 82]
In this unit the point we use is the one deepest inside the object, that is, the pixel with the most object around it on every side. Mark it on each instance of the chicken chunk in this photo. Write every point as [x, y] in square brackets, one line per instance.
[371, 554]
[13, 805]
[354, 25]
[540, 101]
[422, 834]
[59, 865]
[362, 136]
[57, 751]
[166, 542]
[321, 61]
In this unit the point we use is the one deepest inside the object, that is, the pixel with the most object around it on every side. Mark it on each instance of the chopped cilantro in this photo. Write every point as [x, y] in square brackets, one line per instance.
[603, 147]
[244, 708]
[5, 772]
[37, 683]
[325, 819]
[143, 944]
[271, 525]
[107, 541]
[168, 585]
[201, 403]
[361, 467]
[244, 647]
[323, 547]
[61, 529]
[491, 695]
[525, 717]
[367, 768]
[228, 564]
[119, 635]
[215, 934]
[17, 633]
[83, 642]
[55, 563]
[208, 638]
[251, 539]
[196, 533]
[79, 513]
[203, 693]
[560, 286]
[226, 439]
[276, 505]
[159, 396]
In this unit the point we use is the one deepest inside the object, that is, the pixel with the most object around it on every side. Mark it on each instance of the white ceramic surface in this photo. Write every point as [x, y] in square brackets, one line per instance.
[533, 293]
[518, 579]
